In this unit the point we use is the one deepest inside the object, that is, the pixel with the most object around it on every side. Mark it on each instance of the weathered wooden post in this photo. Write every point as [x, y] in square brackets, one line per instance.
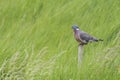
[80, 54]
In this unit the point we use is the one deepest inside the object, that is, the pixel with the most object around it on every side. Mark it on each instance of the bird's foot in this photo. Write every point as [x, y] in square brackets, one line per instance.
[82, 44]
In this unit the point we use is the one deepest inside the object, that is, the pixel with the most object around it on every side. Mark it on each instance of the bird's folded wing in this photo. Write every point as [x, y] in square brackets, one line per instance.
[85, 37]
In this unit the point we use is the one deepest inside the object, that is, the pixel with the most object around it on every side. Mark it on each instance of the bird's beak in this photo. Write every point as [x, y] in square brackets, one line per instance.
[72, 27]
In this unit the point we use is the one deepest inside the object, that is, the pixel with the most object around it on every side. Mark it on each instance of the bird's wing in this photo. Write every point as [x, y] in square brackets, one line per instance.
[85, 37]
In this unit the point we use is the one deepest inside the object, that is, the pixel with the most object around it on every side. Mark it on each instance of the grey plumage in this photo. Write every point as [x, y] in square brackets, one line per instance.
[83, 37]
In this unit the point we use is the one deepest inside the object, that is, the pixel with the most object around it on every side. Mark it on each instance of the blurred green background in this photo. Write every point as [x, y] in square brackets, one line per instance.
[37, 43]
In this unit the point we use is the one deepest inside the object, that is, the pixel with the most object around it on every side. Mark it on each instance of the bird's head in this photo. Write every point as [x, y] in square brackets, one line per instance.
[75, 27]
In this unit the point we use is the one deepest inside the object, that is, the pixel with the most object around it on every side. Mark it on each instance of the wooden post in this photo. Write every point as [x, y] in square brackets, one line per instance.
[80, 54]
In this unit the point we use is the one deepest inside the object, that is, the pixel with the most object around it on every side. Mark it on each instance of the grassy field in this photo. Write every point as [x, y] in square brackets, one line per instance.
[37, 43]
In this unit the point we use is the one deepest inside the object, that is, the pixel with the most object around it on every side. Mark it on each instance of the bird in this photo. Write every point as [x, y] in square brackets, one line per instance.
[82, 37]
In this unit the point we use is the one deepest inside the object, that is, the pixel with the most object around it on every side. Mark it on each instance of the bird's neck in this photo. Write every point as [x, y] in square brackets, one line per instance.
[76, 31]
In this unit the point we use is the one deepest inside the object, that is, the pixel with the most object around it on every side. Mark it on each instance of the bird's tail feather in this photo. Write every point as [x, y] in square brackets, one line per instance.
[100, 39]
[96, 40]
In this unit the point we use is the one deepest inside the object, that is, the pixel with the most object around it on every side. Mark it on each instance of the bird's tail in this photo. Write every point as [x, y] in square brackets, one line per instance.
[96, 40]
[100, 39]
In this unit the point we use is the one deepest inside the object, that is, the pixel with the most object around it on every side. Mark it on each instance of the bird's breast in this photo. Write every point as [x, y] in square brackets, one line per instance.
[77, 37]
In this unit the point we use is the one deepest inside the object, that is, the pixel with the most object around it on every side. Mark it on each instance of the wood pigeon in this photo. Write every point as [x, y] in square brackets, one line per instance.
[83, 37]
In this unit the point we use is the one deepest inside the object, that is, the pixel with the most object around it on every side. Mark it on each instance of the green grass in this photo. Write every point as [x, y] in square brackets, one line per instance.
[37, 43]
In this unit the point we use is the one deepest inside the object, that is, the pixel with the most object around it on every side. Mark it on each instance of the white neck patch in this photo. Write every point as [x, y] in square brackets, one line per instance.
[77, 29]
